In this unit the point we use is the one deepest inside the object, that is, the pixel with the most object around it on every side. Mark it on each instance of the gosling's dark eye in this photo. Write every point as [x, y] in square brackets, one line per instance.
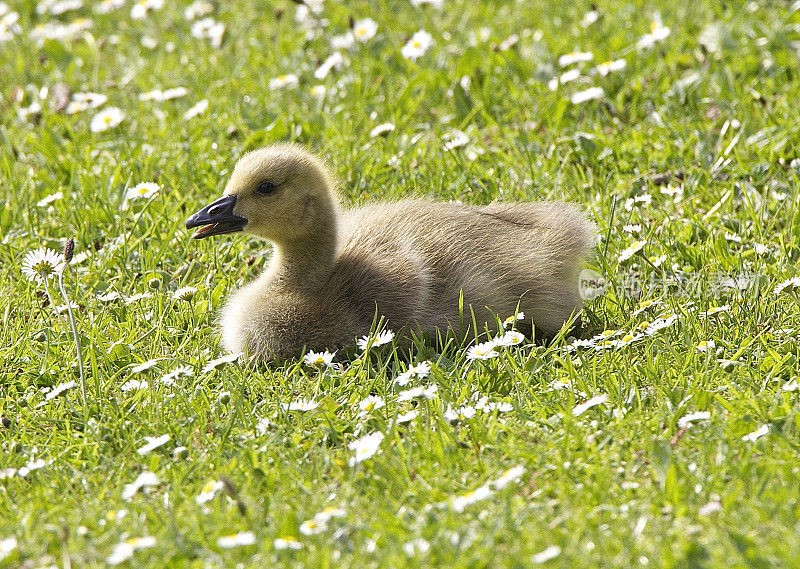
[265, 188]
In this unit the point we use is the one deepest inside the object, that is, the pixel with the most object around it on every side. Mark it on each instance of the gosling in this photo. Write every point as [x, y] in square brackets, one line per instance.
[420, 266]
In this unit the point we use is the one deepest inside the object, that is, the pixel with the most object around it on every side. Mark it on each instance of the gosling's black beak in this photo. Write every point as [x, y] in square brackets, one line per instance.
[216, 218]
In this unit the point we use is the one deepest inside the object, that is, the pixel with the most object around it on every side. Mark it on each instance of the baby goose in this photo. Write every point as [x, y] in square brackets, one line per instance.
[333, 271]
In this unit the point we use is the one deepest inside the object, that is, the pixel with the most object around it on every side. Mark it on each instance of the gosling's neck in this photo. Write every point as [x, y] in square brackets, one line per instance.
[306, 262]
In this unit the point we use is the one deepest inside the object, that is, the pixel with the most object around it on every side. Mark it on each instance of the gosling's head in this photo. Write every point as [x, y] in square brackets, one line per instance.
[280, 193]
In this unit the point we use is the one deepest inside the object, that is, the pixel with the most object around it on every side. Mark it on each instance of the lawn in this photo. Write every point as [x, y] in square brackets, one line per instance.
[665, 436]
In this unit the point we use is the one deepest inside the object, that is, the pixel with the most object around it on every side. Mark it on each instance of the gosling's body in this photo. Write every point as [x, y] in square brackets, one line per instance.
[333, 271]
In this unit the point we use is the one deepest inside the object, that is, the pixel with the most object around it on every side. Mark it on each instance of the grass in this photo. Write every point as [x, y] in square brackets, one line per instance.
[711, 110]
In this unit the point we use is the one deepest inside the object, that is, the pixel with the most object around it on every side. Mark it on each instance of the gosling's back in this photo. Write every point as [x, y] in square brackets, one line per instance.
[501, 256]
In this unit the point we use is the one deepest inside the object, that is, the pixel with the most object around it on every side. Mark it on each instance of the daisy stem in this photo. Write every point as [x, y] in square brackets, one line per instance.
[74, 328]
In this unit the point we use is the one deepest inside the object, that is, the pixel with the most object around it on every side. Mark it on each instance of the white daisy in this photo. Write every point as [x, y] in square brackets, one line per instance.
[197, 9]
[198, 109]
[7, 546]
[709, 508]
[379, 339]
[490, 406]
[344, 41]
[644, 199]
[59, 389]
[109, 296]
[607, 67]
[237, 540]
[93, 100]
[428, 392]
[365, 29]
[152, 444]
[482, 351]
[41, 263]
[137, 297]
[420, 370]
[512, 320]
[460, 503]
[80, 257]
[626, 340]
[550, 552]
[174, 93]
[132, 384]
[312, 527]
[416, 47]
[284, 81]
[407, 417]
[508, 43]
[57, 31]
[717, 309]
[793, 282]
[319, 359]
[208, 492]
[513, 474]
[148, 42]
[510, 338]
[31, 466]
[300, 405]
[221, 362]
[317, 91]
[760, 248]
[209, 29]
[382, 129]
[108, 118]
[687, 420]
[586, 95]
[634, 248]
[47, 200]
[334, 61]
[454, 139]
[455, 416]
[575, 57]
[580, 409]
[140, 8]
[144, 366]
[757, 434]
[184, 293]
[125, 549]
[366, 447]
[419, 546]
[660, 323]
[8, 25]
[370, 404]
[705, 346]
[658, 33]
[329, 513]
[589, 18]
[564, 78]
[145, 480]
[286, 542]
